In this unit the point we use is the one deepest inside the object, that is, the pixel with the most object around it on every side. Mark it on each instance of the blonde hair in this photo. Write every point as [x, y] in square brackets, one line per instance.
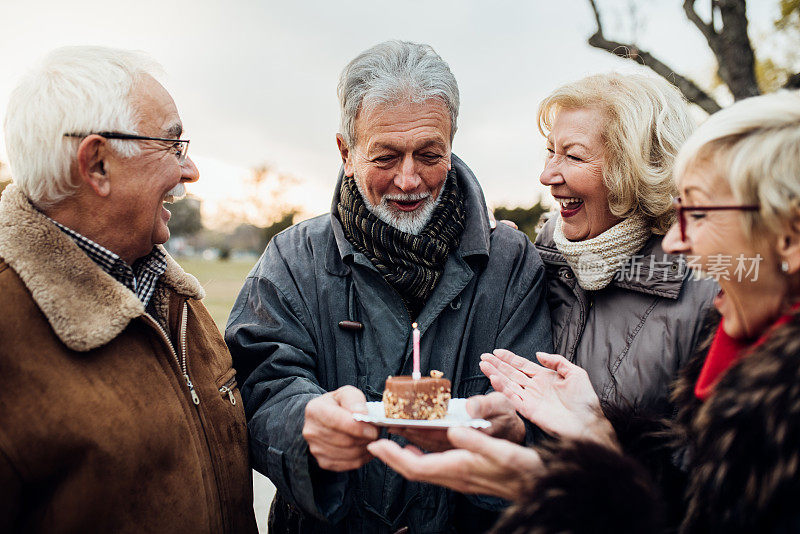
[646, 122]
[754, 145]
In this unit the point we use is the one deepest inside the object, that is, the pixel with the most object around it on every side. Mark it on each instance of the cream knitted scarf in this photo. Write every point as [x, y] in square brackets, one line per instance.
[595, 261]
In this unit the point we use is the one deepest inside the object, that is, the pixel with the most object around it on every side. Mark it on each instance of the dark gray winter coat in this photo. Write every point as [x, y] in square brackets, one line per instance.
[287, 346]
[633, 336]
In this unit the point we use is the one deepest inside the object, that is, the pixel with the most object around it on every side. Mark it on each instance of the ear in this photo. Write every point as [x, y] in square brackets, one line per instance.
[344, 151]
[92, 164]
[789, 246]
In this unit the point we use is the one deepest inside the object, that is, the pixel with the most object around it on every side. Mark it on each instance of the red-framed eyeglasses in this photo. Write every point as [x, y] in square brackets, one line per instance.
[681, 211]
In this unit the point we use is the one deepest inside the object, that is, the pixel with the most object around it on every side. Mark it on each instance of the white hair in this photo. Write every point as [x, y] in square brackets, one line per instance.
[75, 89]
[393, 72]
[755, 146]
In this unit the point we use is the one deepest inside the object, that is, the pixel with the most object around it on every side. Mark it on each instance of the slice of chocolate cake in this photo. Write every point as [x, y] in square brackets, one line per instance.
[424, 398]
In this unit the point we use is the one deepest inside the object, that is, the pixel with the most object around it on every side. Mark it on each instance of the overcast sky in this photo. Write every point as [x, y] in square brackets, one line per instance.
[255, 81]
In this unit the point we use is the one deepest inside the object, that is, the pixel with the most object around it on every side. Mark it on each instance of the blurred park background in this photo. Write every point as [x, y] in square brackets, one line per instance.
[255, 83]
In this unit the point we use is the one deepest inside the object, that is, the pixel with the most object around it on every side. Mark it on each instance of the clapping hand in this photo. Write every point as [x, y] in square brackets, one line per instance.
[557, 395]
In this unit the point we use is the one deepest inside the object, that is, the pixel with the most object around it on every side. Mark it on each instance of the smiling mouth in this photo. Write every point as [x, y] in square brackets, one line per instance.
[570, 205]
[406, 202]
[174, 194]
[407, 205]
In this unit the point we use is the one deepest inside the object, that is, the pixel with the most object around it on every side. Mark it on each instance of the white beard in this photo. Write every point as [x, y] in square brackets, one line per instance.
[410, 222]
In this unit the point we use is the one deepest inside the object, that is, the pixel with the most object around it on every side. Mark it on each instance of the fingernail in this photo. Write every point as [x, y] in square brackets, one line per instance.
[485, 355]
[360, 407]
[370, 433]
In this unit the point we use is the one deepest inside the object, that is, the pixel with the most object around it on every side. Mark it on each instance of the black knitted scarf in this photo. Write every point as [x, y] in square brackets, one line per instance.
[411, 264]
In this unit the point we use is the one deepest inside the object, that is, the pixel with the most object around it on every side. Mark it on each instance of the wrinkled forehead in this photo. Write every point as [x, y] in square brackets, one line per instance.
[583, 124]
[155, 109]
[701, 179]
[426, 122]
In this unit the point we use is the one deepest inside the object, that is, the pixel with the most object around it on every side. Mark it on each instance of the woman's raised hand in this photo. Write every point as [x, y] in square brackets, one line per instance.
[557, 395]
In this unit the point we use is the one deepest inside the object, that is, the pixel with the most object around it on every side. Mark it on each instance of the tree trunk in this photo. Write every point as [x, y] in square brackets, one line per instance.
[735, 58]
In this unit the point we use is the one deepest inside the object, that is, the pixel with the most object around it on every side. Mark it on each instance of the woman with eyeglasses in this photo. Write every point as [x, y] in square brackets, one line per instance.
[733, 461]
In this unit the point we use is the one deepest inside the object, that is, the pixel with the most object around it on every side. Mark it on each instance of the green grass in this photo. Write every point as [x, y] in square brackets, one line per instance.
[222, 281]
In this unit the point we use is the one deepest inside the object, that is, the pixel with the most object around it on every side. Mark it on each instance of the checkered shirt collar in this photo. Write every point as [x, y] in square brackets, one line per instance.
[141, 278]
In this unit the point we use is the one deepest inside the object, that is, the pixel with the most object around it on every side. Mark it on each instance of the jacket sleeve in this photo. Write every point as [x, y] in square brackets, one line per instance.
[525, 322]
[270, 336]
[524, 329]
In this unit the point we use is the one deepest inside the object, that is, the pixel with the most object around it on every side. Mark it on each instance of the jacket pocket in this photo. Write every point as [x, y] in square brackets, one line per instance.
[227, 390]
[228, 387]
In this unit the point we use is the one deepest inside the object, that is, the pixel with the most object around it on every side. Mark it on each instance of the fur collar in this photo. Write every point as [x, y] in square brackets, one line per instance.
[86, 307]
[743, 455]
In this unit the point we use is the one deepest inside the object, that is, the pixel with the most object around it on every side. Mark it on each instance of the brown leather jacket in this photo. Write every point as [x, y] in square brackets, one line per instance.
[99, 430]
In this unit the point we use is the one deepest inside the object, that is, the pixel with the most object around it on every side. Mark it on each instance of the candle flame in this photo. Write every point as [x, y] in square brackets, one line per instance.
[413, 325]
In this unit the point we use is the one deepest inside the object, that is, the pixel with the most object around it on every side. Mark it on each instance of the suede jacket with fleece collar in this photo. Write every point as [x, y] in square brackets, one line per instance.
[99, 429]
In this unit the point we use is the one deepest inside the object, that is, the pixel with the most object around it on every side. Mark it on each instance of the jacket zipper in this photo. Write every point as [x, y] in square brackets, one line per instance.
[227, 389]
[181, 361]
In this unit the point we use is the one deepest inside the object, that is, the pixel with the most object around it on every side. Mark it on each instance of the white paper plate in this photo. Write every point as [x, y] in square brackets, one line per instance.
[456, 416]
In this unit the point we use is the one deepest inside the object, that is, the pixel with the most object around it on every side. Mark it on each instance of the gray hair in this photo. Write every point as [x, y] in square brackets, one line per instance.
[390, 72]
[75, 89]
[754, 145]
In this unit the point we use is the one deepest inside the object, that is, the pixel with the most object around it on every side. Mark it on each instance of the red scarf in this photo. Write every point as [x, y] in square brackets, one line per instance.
[725, 351]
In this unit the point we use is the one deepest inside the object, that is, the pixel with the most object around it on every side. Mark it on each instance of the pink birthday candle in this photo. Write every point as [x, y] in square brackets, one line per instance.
[415, 337]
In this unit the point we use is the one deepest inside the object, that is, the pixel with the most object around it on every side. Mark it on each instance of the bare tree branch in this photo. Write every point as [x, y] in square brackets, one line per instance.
[690, 90]
[597, 17]
[707, 30]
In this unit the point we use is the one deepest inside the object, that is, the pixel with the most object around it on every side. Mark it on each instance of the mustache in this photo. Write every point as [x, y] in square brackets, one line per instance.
[405, 197]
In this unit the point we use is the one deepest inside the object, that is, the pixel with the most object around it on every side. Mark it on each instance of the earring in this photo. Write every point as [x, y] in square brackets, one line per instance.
[785, 266]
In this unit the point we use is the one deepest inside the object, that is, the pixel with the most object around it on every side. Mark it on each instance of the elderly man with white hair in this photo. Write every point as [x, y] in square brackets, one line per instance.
[325, 316]
[119, 410]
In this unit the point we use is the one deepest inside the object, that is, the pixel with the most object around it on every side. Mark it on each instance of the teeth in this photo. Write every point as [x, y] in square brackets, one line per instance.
[565, 201]
[169, 199]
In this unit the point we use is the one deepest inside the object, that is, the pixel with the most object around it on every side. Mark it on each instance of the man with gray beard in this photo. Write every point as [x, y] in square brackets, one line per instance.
[325, 316]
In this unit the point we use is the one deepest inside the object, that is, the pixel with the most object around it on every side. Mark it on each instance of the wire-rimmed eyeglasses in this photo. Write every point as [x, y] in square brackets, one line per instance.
[181, 146]
[681, 210]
